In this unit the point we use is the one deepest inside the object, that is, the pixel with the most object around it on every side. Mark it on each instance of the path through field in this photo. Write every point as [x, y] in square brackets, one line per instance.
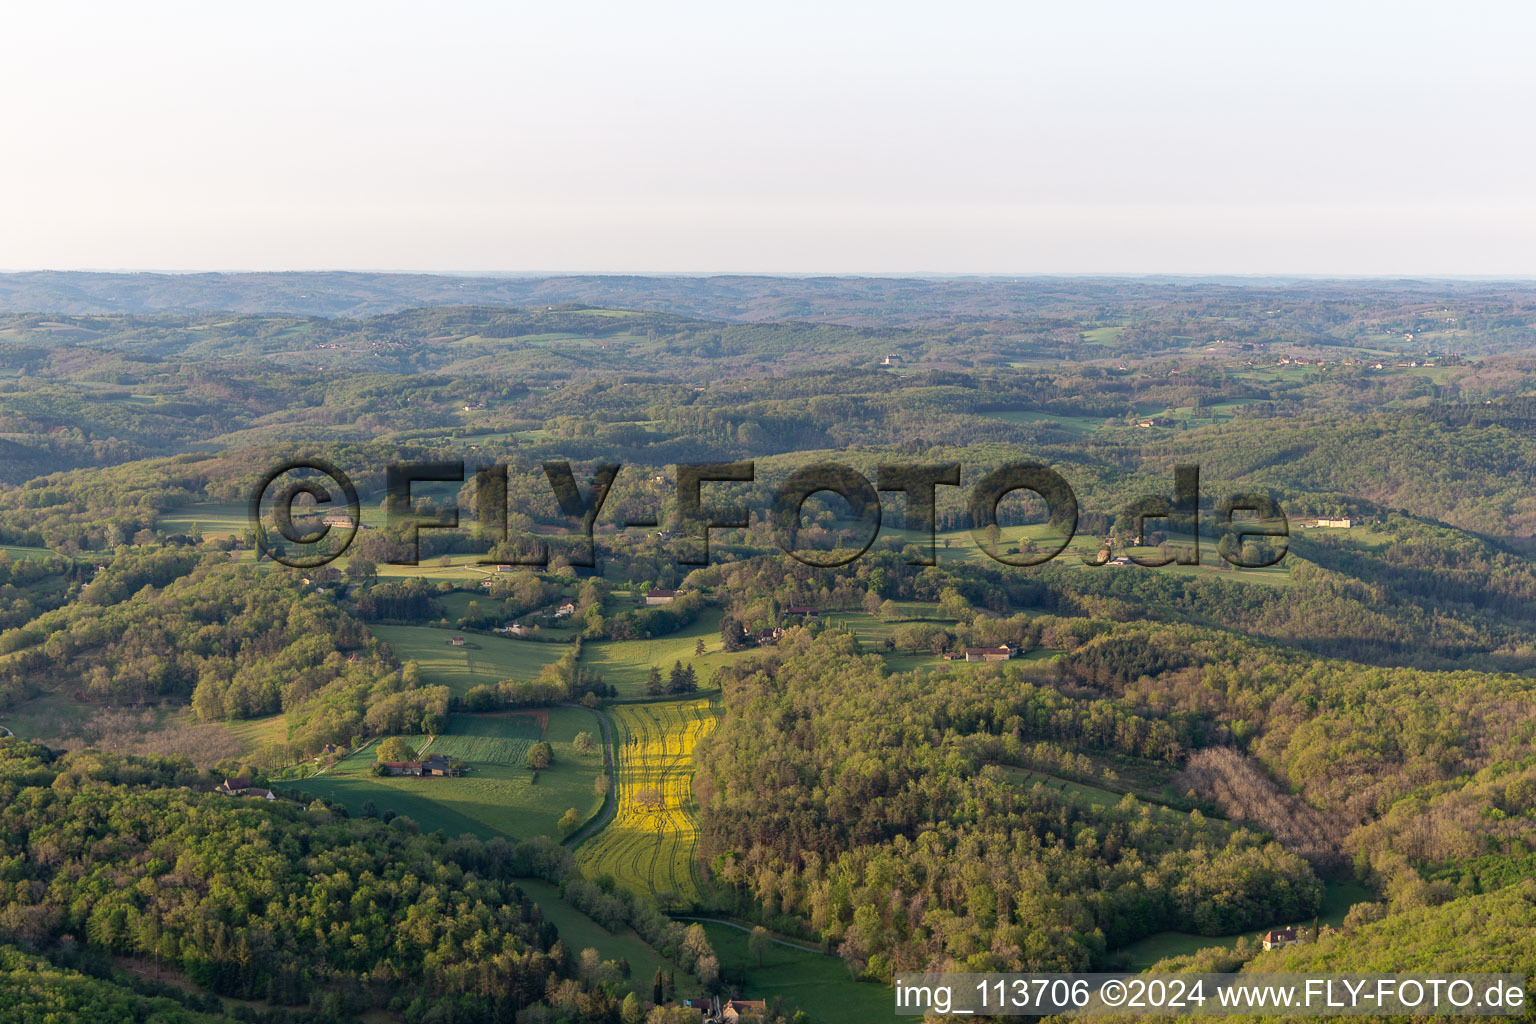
[610, 807]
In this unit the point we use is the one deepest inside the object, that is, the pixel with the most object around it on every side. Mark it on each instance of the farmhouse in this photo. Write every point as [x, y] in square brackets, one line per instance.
[341, 519]
[457, 641]
[732, 1011]
[435, 765]
[1002, 653]
[567, 607]
[693, 1008]
[1280, 938]
[659, 596]
[239, 787]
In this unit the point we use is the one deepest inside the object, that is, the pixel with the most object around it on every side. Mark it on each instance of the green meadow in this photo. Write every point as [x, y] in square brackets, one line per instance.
[815, 982]
[1338, 897]
[453, 568]
[221, 519]
[1102, 335]
[873, 631]
[489, 739]
[1097, 797]
[578, 932]
[255, 733]
[1081, 426]
[20, 551]
[494, 798]
[482, 659]
[626, 664]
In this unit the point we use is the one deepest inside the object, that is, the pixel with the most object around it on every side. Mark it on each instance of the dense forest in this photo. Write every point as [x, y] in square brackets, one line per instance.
[292, 905]
[889, 825]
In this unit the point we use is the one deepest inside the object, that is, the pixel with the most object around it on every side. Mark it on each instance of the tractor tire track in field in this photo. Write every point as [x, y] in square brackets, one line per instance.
[650, 846]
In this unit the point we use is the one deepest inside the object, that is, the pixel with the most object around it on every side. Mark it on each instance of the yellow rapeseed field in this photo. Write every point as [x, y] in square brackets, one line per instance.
[649, 846]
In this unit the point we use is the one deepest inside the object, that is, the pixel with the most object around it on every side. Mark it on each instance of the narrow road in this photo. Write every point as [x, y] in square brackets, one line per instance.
[611, 801]
[791, 943]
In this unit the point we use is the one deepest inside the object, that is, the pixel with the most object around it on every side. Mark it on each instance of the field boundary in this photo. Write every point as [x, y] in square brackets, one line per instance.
[662, 698]
[739, 926]
[610, 808]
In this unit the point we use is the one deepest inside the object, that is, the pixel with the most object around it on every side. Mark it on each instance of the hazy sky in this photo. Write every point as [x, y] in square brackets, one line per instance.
[1371, 138]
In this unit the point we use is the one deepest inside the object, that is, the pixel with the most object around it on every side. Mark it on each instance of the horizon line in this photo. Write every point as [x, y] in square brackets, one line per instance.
[802, 274]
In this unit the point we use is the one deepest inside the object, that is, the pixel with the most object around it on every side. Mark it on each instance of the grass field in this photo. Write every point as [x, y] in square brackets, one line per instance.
[490, 739]
[1212, 565]
[496, 797]
[232, 518]
[52, 714]
[1079, 425]
[873, 632]
[1149, 780]
[490, 659]
[625, 664]
[456, 606]
[1102, 335]
[1097, 797]
[578, 932]
[960, 546]
[18, 551]
[255, 733]
[1338, 897]
[459, 567]
[222, 519]
[815, 982]
[649, 845]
